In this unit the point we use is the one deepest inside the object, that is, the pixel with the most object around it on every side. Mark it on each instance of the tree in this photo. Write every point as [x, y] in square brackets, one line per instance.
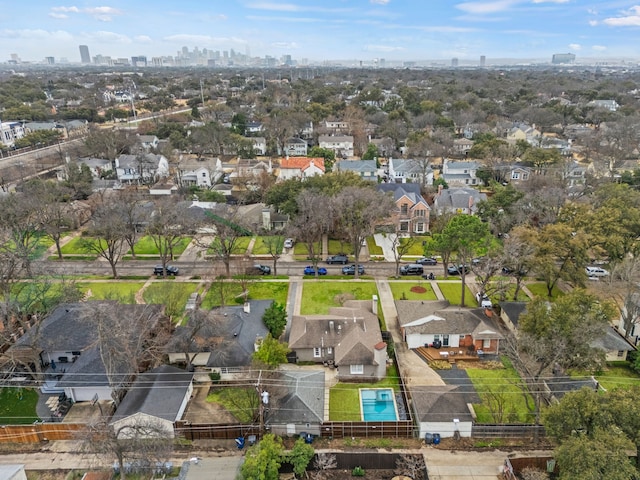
[109, 144]
[274, 245]
[19, 215]
[229, 230]
[371, 153]
[167, 226]
[466, 235]
[358, 210]
[107, 230]
[579, 412]
[400, 249]
[262, 461]
[623, 410]
[275, 319]
[79, 181]
[300, 456]
[411, 466]
[518, 256]
[271, 352]
[326, 153]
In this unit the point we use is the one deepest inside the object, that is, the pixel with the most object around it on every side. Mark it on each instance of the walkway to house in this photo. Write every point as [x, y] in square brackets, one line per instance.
[386, 243]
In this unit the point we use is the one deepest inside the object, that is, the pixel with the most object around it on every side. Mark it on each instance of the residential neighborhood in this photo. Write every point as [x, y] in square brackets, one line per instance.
[424, 270]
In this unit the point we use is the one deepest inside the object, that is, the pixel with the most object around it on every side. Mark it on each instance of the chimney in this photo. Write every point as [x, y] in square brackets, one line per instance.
[331, 327]
[374, 304]
[246, 307]
[470, 202]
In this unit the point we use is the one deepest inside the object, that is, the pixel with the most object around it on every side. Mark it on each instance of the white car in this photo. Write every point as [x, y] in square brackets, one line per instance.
[288, 243]
[596, 272]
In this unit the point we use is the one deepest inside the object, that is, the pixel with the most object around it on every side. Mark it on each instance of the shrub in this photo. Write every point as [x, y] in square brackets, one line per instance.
[357, 472]
[440, 365]
[214, 376]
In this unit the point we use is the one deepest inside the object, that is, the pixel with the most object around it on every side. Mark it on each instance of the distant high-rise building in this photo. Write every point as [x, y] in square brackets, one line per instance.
[50, 60]
[483, 61]
[382, 63]
[454, 62]
[563, 58]
[84, 54]
[139, 61]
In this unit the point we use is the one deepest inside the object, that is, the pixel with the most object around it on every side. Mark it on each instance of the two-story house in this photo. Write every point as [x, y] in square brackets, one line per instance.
[300, 167]
[522, 131]
[342, 145]
[295, 147]
[412, 211]
[10, 132]
[459, 174]
[401, 170]
[141, 168]
[202, 174]
[365, 169]
[259, 145]
[457, 200]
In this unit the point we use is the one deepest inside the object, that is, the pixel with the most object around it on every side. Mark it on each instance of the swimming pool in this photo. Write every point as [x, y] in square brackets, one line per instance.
[378, 405]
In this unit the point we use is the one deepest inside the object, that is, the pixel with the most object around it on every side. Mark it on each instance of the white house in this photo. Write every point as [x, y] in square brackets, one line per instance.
[295, 147]
[442, 409]
[342, 145]
[408, 170]
[10, 132]
[259, 145]
[300, 167]
[145, 167]
[460, 173]
[199, 173]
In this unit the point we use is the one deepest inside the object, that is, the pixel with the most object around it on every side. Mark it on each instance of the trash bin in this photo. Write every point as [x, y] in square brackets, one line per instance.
[240, 443]
[436, 438]
[307, 437]
[428, 438]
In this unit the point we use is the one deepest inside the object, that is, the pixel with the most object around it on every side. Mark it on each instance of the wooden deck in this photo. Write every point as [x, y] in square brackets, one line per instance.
[452, 355]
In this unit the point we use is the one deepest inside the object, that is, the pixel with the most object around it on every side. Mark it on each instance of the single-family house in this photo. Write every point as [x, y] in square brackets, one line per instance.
[348, 338]
[365, 169]
[259, 145]
[295, 147]
[272, 220]
[409, 170]
[412, 214]
[254, 127]
[614, 345]
[148, 142]
[519, 173]
[442, 409]
[610, 105]
[298, 405]
[300, 167]
[145, 167]
[574, 174]
[97, 166]
[336, 126]
[76, 128]
[66, 345]
[460, 174]
[385, 145]
[31, 127]
[10, 132]
[458, 329]
[202, 174]
[457, 200]
[247, 168]
[342, 145]
[156, 400]
[223, 339]
[462, 145]
[522, 131]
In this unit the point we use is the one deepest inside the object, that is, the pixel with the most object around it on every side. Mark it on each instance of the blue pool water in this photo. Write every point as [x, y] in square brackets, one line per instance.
[378, 405]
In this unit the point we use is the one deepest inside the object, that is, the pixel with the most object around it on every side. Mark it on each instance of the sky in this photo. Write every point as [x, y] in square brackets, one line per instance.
[323, 29]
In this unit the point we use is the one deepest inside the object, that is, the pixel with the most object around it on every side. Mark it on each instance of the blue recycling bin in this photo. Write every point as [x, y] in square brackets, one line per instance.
[240, 443]
[436, 438]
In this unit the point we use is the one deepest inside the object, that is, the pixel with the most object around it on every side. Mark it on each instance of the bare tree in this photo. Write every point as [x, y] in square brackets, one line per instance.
[274, 245]
[401, 248]
[107, 230]
[624, 288]
[19, 215]
[229, 227]
[411, 466]
[311, 223]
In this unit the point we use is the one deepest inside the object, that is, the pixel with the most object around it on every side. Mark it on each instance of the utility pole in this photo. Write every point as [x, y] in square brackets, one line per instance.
[263, 396]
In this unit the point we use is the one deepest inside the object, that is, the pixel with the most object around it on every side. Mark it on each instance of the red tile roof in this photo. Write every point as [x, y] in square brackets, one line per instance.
[302, 163]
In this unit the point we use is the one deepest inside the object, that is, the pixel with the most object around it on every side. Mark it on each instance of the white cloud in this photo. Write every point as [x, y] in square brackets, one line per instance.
[598, 48]
[102, 36]
[104, 14]
[142, 39]
[37, 34]
[575, 46]
[284, 19]
[485, 7]
[593, 23]
[291, 7]
[630, 18]
[66, 9]
[379, 2]
[58, 15]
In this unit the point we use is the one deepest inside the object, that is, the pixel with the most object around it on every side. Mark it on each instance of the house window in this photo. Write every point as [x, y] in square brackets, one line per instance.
[204, 174]
[329, 350]
[486, 344]
[420, 227]
[436, 337]
[419, 213]
[317, 352]
[356, 369]
[462, 337]
[620, 353]
[445, 340]
[515, 175]
[404, 209]
[525, 176]
[404, 226]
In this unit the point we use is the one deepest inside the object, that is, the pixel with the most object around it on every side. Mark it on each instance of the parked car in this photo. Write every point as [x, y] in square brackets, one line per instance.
[457, 269]
[596, 272]
[351, 270]
[288, 243]
[259, 269]
[171, 270]
[309, 270]
[413, 269]
[427, 261]
[343, 259]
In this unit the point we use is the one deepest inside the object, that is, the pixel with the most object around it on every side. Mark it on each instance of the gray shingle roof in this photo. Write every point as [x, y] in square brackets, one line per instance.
[159, 393]
[304, 398]
[440, 403]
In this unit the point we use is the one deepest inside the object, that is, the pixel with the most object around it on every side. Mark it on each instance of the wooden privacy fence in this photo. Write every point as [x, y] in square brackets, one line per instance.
[403, 429]
[213, 431]
[40, 432]
[507, 431]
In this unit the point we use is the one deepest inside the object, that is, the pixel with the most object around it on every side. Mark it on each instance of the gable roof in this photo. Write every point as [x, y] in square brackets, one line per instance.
[304, 398]
[302, 163]
[457, 198]
[159, 392]
[357, 166]
[134, 161]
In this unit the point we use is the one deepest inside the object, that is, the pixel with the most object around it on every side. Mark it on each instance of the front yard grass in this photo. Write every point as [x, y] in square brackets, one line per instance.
[146, 246]
[499, 393]
[453, 293]
[124, 292]
[344, 398]
[78, 246]
[173, 296]
[402, 291]
[417, 249]
[319, 295]
[539, 289]
[260, 248]
[276, 291]
[373, 248]
[18, 406]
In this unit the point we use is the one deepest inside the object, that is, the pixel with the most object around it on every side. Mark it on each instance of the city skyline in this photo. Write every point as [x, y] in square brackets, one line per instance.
[396, 30]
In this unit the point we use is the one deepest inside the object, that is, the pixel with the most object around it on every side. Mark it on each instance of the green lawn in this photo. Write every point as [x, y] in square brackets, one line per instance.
[300, 249]
[373, 248]
[146, 246]
[240, 246]
[498, 392]
[615, 375]
[338, 246]
[18, 406]
[42, 245]
[173, 295]
[276, 291]
[260, 248]
[240, 402]
[344, 398]
[402, 290]
[453, 293]
[124, 292]
[508, 293]
[539, 289]
[77, 246]
[416, 248]
[319, 295]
